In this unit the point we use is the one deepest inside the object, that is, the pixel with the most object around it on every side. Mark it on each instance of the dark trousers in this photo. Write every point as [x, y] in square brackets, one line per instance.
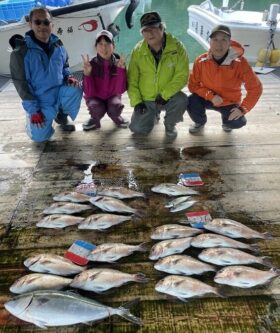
[197, 111]
[112, 106]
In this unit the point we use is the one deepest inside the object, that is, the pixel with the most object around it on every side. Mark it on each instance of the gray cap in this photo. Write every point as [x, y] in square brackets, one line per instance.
[105, 33]
[221, 28]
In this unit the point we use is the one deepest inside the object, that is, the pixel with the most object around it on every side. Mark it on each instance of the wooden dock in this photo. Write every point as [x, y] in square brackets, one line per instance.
[241, 171]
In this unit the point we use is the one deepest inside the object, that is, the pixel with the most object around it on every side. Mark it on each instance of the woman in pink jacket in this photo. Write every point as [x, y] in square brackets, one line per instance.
[104, 82]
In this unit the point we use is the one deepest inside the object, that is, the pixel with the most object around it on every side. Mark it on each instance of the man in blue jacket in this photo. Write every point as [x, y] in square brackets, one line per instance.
[39, 69]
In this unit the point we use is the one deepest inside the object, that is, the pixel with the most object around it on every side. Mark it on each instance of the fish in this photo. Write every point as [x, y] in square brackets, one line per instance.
[119, 192]
[169, 231]
[39, 281]
[183, 265]
[111, 252]
[66, 208]
[177, 201]
[245, 277]
[72, 197]
[102, 279]
[169, 247]
[214, 240]
[61, 308]
[59, 221]
[173, 189]
[52, 264]
[234, 229]
[108, 204]
[102, 221]
[225, 256]
[184, 287]
[182, 206]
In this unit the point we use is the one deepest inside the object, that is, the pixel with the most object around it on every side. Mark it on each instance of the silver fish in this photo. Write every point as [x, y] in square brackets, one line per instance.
[111, 252]
[119, 192]
[66, 208]
[173, 189]
[169, 247]
[214, 240]
[182, 206]
[177, 201]
[52, 264]
[72, 197]
[223, 256]
[58, 308]
[102, 279]
[108, 204]
[102, 221]
[183, 265]
[245, 277]
[38, 281]
[169, 231]
[234, 229]
[58, 221]
[184, 287]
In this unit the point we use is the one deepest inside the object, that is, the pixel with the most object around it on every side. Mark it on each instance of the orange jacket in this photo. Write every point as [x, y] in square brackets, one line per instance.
[208, 79]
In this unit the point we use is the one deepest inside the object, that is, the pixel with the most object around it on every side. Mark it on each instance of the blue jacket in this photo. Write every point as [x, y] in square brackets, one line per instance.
[37, 76]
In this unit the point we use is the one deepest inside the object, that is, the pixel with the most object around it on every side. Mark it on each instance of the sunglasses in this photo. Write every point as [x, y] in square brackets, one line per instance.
[45, 22]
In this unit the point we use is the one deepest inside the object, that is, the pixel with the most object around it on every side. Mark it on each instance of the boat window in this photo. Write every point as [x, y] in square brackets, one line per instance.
[207, 5]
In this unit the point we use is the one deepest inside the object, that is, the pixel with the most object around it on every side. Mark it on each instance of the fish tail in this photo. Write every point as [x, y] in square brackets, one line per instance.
[124, 311]
[219, 292]
[255, 248]
[275, 270]
[266, 261]
[143, 247]
[267, 235]
[140, 277]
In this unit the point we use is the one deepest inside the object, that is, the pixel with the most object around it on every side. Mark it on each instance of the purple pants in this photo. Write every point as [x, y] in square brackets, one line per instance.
[112, 106]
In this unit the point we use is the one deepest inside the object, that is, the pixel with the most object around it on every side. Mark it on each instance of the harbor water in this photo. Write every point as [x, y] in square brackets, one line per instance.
[174, 14]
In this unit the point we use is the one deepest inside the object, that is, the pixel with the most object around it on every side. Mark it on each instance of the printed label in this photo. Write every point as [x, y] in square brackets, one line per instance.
[190, 179]
[198, 219]
[79, 251]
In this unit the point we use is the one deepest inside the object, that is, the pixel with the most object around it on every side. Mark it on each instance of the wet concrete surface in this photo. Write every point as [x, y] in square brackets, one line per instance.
[241, 175]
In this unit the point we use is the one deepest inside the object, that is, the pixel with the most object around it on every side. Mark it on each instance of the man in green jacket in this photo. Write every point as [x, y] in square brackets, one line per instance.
[158, 70]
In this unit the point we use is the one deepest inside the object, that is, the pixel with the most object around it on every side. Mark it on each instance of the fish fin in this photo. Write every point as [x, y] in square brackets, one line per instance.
[267, 235]
[40, 324]
[126, 314]
[266, 261]
[275, 270]
[183, 299]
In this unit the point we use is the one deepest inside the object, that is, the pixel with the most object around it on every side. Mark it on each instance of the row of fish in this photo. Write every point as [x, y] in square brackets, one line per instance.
[219, 249]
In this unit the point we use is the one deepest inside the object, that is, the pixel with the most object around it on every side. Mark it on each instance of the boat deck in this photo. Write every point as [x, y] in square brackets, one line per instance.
[242, 182]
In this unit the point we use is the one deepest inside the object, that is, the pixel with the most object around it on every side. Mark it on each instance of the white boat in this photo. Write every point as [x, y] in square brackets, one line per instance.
[76, 25]
[253, 30]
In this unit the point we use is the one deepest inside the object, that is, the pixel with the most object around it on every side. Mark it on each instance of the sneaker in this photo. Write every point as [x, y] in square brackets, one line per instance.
[157, 118]
[89, 125]
[195, 128]
[62, 120]
[171, 131]
[226, 129]
[123, 124]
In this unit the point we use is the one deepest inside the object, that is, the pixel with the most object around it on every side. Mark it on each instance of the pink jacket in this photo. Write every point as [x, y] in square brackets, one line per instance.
[106, 79]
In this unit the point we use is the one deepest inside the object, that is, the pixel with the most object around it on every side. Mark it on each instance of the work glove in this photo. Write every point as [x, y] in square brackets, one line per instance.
[160, 101]
[140, 108]
[38, 119]
[71, 81]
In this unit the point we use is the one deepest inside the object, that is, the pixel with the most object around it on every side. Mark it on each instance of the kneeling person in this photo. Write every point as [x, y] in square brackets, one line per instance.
[157, 71]
[104, 82]
[39, 69]
[216, 80]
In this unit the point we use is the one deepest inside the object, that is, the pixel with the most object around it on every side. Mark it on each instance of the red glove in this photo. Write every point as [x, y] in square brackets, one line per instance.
[71, 81]
[38, 119]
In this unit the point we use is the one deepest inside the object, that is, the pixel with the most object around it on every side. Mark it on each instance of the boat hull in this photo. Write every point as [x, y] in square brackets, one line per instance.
[76, 29]
[252, 33]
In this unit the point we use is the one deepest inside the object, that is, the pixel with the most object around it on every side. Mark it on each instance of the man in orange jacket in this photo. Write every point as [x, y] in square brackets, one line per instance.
[216, 80]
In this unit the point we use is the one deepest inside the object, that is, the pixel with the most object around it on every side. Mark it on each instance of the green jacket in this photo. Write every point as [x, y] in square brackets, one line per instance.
[146, 80]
